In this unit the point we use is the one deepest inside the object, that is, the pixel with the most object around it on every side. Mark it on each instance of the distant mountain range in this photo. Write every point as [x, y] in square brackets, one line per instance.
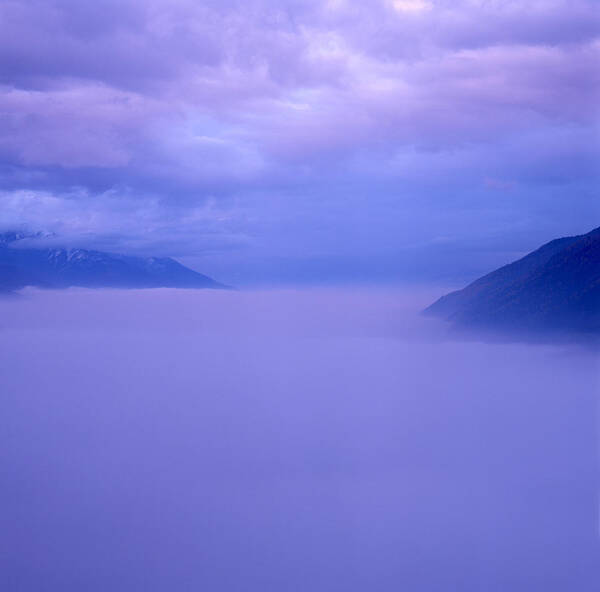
[556, 287]
[21, 266]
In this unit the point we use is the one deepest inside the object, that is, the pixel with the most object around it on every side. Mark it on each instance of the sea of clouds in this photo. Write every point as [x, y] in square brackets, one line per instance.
[302, 440]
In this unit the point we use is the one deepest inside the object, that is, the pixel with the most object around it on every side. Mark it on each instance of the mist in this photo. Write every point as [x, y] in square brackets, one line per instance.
[299, 440]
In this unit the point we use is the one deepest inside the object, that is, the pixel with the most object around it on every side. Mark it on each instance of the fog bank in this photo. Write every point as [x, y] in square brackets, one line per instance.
[315, 440]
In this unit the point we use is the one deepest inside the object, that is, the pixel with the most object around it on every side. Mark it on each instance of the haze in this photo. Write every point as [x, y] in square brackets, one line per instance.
[301, 440]
[341, 164]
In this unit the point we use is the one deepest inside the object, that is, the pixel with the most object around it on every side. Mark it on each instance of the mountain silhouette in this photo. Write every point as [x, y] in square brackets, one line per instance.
[555, 287]
[21, 266]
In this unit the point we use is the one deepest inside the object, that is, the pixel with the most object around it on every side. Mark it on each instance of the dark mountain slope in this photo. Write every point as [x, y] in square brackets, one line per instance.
[61, 268]
[555, 287]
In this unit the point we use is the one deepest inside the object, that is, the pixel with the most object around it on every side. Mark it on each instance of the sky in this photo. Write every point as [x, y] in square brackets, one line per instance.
[302, 141]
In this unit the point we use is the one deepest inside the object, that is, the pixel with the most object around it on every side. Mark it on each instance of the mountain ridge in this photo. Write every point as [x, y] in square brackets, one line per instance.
[22, 266]
[555, 287]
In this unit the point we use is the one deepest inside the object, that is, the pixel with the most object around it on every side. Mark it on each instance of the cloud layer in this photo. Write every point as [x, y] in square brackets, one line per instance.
[243, 134]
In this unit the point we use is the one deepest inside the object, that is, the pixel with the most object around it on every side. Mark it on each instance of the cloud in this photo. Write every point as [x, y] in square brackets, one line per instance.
[289, 114]
[411, 5]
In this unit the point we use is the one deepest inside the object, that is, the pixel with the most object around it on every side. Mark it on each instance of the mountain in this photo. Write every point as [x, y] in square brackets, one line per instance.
[556, 287]
[22, 266]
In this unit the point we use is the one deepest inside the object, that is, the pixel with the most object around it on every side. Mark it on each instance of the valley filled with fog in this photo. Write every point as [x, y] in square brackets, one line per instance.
[299, 440]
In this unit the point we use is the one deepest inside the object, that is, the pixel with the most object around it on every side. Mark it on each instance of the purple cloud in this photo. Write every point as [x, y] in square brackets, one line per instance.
[285, 124]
